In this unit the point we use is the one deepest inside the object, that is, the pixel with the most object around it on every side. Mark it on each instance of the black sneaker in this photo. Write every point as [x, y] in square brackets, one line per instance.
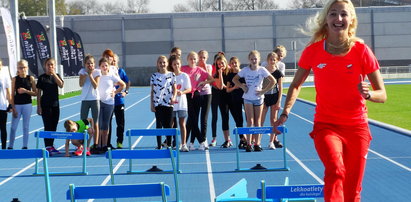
[248, 148]
[242, 144]
[24, 148]
[258, 148]
[227, 144]
[278, 144]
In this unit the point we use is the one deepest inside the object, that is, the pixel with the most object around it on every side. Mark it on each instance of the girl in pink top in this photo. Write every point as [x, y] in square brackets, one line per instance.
[198, 78]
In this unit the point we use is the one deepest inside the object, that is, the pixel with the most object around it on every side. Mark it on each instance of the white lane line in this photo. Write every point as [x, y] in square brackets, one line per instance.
[319, 180]
[18, 173]
[120, 163]
[210, 176]
[390, 160]
[31, 165]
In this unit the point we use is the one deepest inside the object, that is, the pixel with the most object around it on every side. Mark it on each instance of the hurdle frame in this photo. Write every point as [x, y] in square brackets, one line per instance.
[260, 130]
[155, 132]
[63, 135]
[32, 153]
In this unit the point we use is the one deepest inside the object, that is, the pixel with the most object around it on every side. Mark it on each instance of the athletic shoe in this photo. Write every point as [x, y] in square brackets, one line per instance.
[191, 147]
[50, 149]
[227, 144]
[119, 145]
[54, 150]
[184, 148]
[158, 148]
[24, 148]
[79, 151]
[242, 144]
[213, 143]
[203, 146]
[271, 146]
[248, 148]
[278, 144]
[88, 152]
[258, 148]
[9, 147]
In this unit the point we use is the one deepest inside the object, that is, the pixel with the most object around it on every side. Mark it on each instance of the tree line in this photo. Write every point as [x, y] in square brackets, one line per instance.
[96, 7]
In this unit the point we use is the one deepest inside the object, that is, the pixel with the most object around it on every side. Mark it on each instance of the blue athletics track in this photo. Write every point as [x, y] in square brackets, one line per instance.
[206, 174]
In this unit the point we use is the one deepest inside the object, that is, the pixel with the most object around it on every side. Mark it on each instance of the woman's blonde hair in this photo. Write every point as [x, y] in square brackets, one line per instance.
[317, 25]
[272, 54]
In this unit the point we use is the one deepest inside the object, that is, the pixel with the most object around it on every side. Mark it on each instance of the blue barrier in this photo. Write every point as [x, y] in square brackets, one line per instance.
[118, 191]
[144, 154]
[260, 130]
[31, 153]
[156, 132]
[63, 135]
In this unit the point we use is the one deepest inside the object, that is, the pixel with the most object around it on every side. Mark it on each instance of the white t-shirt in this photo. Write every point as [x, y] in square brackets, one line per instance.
[254, 81]
[5, 83]
[163, 88]
[183, 83]
[106, 88]
[88, 92]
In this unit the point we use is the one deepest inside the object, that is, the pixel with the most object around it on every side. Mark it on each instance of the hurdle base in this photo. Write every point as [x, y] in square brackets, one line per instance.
[62, 173]
[261, 170]
[151, 172]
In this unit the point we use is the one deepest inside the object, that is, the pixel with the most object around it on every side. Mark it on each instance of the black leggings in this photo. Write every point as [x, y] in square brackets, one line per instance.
[236, 109]
[3, 129]
[119, 112]
[50, 116]
[220, 100]
[164, 117]
[194, 104]
[205, 102]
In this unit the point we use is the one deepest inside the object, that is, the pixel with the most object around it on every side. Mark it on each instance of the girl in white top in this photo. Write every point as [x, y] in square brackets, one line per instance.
[163, 96]
[180, 105]
[89, 81]
[254, 95]
[5, 100]
[107, 91]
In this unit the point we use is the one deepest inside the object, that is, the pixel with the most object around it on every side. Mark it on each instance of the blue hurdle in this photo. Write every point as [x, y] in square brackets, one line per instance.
[31, 153]
[286, 192]
[260, 130]
[144, 154]
[118, 191]
[63, 135]
[238, 193]
[156, 132]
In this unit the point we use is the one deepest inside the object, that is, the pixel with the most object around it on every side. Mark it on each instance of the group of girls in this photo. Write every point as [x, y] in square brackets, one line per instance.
[16, 97]
[187, 92]
[99, 87]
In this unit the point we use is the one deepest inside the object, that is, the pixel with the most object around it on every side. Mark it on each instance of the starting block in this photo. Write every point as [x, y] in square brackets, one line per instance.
[260, 130]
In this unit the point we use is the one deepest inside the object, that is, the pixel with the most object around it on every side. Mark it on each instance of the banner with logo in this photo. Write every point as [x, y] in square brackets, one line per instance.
[11, 40]
[64, 51]
[80, 50]
[42, 41]
[28, 46]
[71, 42]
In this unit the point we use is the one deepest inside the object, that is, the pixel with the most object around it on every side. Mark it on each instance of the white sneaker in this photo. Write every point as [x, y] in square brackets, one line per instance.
[191, 147]
[213, 143]
[184, 148]
[203, 146]
[271, 146]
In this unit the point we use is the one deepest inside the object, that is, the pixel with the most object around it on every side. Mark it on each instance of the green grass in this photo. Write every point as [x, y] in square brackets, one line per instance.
[395, 111]
[66, 95]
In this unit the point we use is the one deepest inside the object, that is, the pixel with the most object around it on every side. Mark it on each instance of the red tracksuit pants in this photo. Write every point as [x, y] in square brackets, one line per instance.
[343, 150]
